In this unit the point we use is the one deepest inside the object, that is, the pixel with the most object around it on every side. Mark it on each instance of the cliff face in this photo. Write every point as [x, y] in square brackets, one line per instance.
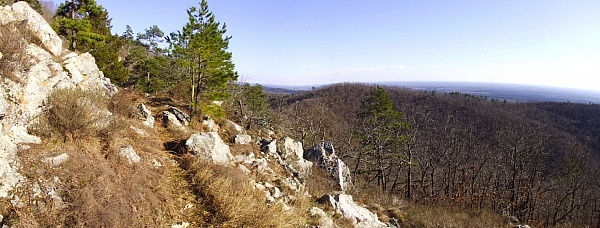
[33, 64]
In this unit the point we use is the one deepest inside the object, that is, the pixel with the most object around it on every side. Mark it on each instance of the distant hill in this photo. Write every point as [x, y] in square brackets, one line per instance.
[498, 91]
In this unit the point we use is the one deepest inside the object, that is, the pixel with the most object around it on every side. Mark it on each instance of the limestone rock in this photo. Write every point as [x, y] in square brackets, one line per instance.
[211, 146]
[129, 153]
[170, 120]
[23, 95]
[210, 125]
[242, 139]
[345, 205]
[231, 127]
[35, 23]
[147, 115]
[56, 160]
[181, 116]
[324, 155]
[293, 152]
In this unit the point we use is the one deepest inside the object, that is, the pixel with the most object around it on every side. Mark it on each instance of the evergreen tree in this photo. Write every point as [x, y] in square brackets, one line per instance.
[87, 25]
[381, 134]
[201, 47]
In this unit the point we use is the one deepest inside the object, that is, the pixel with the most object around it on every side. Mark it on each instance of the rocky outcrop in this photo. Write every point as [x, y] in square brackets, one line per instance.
[171, 121]
[324, 156]
[148, 119]
[34, 23]
[23, 94]
[344, 204]
[181, 116]
[210, 146]
[293, 153]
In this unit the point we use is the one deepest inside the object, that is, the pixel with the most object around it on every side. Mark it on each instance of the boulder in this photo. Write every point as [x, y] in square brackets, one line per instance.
[129, 153]
[293, 153]
[147, 115]
[324, 155]
[210, 125]
[242, 139]
[231, 127]
[34, 23]
[181, 116]
[211, 146]
[170, 120]
[344, 204]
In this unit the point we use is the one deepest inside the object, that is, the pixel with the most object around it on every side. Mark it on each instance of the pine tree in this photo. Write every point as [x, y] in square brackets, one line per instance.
[87, 25]
[201, 47]
[381, 134]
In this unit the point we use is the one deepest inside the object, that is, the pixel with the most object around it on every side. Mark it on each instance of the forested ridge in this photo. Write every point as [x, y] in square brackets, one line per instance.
[537, 162]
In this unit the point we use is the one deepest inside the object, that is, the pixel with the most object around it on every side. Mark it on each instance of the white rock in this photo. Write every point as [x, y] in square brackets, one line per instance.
[147, 115]
[276, 192]
[8, 166]
[35, 23]
[242, 139]
[156, 164]
[181, 116]
[324, 155]
[170, 120]
[231, 127]
[211, 146]
[182, 225]
[56, 160]
[129, 153]
[210, 125]
[344, 205]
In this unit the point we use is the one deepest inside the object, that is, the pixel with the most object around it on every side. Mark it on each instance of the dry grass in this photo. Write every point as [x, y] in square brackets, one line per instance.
[72, 114]
[230, 200]
[12, 47]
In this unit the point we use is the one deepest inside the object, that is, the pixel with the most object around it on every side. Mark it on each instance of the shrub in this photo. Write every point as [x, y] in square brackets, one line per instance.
[12, 48]
[74, 114]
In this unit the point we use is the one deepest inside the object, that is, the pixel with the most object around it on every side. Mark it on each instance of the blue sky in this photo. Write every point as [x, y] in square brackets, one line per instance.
[308, 42]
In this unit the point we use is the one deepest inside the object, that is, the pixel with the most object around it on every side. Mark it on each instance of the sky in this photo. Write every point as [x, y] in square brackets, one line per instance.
[312, 42]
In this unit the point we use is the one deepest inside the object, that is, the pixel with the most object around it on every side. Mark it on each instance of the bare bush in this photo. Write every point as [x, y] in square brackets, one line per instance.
[73, 113]
[13, 59]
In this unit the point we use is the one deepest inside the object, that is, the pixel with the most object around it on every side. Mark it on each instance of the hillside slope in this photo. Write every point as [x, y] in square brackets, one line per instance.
[535, 162]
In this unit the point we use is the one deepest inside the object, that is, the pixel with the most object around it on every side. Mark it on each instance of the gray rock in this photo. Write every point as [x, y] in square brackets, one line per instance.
[35, 23]
[324, 155]
[293, 153]
[210, 125]
[129, 153]
[181, 116]
[344, 204]
[242, 139]
[231, 127]
[56, 160]
[211, 146]
[147, 115]
[170, 120]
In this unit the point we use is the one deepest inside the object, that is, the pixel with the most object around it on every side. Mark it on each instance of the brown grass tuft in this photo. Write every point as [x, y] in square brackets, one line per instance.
[230, 200]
